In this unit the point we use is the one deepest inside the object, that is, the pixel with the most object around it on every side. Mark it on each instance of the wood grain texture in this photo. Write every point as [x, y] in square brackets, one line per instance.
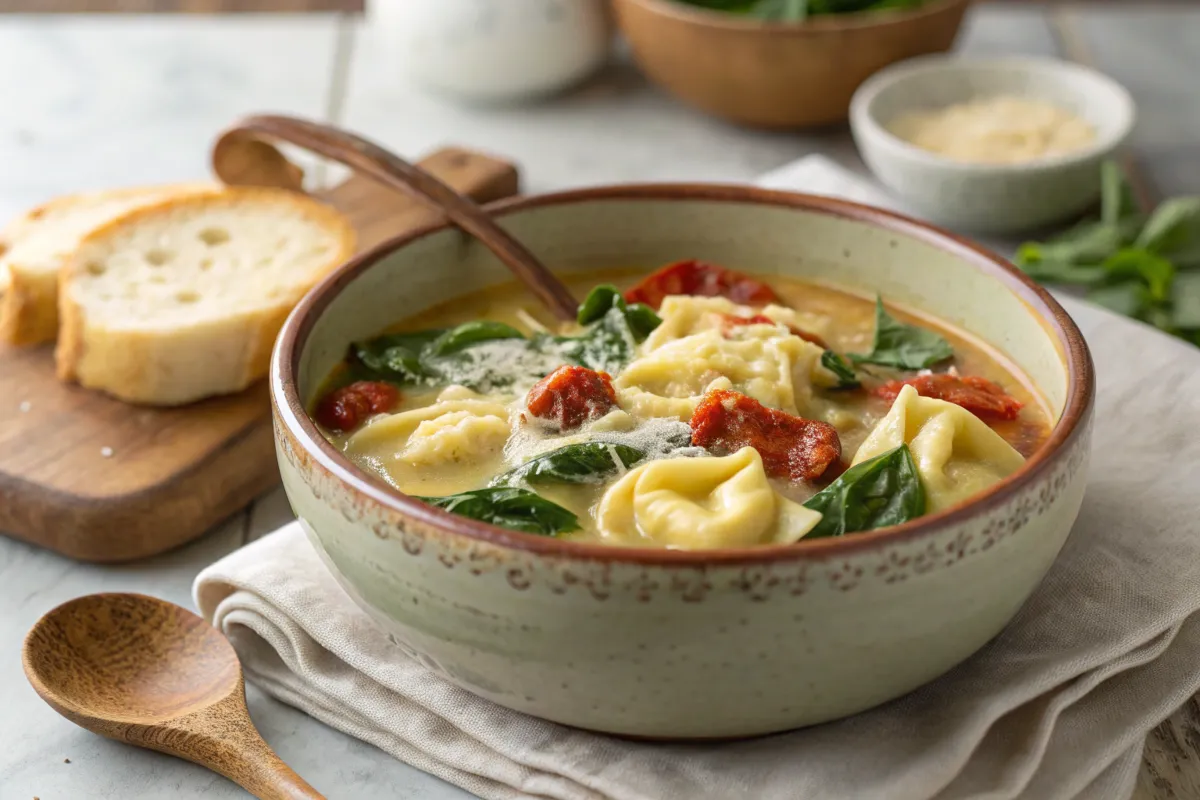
[146, 672]
[177, 6]
[99, 480]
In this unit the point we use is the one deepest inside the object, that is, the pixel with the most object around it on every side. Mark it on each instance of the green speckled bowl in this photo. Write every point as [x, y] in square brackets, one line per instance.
[701, 644]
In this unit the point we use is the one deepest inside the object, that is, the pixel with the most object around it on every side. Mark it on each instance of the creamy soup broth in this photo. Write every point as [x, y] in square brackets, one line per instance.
[494, 435]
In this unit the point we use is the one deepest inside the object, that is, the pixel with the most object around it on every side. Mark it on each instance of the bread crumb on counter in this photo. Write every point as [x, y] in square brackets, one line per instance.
[107, 452]
[25, 406]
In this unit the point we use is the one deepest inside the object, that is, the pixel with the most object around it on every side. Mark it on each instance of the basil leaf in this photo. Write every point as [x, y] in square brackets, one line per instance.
[1173, 227]
[509, 507]
[1154, 271]
[1127, 299]
[1116, 195]
[587, 462]
[470, 333]
[886, 490]
[1064, 272]
[1086, 244]
[898, 344]
[1185, 301]
[781, 10]
[841, 368]
[395, 356]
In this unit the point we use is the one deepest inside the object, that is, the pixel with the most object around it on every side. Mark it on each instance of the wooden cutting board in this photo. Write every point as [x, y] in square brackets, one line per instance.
[99, 480]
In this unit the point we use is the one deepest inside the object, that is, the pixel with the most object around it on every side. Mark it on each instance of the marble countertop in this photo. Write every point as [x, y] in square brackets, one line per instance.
[97, 102]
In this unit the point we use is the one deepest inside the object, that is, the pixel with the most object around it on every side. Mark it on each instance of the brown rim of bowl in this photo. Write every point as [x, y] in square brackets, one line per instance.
[824, 23]
[294, 417]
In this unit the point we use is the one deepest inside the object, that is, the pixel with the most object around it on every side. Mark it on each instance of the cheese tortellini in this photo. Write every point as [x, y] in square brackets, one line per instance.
[691, 503]
[683, 316]
[772, 367]
[956, 453]
[458, 427]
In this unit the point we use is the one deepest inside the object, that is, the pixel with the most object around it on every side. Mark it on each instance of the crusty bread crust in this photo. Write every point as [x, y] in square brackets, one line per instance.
[29, 308]
[195, 359]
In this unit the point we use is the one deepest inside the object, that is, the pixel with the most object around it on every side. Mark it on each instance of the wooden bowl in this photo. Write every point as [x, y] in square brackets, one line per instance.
[688, 643]
[777, 75]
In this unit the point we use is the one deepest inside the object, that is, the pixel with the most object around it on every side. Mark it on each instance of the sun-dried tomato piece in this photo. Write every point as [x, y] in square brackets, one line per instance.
[346, 408]
[700, 279]
[572, 396]
[791, 447]
[729, 321]
[981, 397]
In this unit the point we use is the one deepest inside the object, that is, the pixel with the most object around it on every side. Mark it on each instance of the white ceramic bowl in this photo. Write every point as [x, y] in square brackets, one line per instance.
[703, 643]
[991, 198]
[500, 52]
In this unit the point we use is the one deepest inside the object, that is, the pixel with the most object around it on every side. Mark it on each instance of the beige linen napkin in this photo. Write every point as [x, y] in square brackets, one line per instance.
[1054, 708]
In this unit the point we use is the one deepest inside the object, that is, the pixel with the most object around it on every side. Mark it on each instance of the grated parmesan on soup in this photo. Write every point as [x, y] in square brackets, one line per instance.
[996, 130]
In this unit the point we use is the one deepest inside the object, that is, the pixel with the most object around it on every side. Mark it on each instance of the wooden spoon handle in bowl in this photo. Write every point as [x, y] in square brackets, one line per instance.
[375, 162]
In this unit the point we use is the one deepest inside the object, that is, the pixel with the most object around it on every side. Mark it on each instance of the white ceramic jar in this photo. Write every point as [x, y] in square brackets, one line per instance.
[500, 50]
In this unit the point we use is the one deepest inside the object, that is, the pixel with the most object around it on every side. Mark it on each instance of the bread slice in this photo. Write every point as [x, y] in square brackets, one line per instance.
[35, 246]
[181, 300]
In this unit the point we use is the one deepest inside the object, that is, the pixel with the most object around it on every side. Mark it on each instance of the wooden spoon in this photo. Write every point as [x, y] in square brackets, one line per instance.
[147, 672]
[239, 157]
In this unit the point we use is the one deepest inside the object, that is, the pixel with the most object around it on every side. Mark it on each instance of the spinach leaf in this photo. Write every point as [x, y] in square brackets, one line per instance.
[396, 356]
[479, 355]
[898, 344]
[606, 346]
[496, 364]
[886, 490]
[641, 318]
[509, 507]
[842, 369]
[470, 333]
[586, 462]
[1185, 301]
[1116, 195]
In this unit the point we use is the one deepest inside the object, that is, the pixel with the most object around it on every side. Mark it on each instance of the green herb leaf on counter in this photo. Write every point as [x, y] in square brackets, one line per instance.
[842, 369]
[898, 344]
[1126, 299]
[1085, 245]
[1185, 303]
[1116, 195]
[1141, 266]
[1130, 265]
[509, 507]
[1173, 231]
[585, 462]
[885, 490]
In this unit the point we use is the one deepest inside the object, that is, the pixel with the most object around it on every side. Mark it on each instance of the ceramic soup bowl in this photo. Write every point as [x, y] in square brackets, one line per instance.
[689, 644]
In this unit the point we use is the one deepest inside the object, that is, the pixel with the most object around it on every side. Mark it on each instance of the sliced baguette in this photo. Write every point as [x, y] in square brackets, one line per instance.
[182, 300]
[36, 245]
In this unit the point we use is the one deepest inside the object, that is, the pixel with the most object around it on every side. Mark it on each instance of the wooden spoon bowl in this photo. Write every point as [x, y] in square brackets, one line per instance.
[147, 672]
